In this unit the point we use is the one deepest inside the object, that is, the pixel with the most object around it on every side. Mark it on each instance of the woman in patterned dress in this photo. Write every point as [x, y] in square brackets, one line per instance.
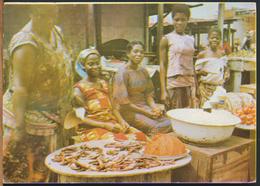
[94, 116]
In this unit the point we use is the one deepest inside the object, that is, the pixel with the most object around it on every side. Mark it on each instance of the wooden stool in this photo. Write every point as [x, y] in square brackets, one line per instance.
[226, 162]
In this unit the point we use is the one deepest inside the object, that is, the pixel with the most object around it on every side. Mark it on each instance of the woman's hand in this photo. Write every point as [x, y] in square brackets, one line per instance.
[113, 127]
[152, 115]
[158, 111]
[164, 96]
[165, 99]
[117, 128]
[125, 126]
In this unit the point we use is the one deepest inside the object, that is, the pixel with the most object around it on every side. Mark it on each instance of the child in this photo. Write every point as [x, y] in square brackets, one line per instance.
[211, 66]
[94, 115]
[176, 63]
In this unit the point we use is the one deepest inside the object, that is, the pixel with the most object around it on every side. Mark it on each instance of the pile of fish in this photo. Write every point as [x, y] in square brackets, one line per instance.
[113, 156]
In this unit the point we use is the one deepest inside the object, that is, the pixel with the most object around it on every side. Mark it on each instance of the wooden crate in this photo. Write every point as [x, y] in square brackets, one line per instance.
[249, 134]
[227, 162]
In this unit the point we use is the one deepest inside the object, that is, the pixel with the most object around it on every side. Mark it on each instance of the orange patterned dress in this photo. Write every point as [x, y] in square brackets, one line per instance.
[98, 107]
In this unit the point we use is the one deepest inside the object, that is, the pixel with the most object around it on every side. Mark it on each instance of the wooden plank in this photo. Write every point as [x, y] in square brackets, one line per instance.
[232, 142]
[229, 159]
[213, 149]
[236, 174]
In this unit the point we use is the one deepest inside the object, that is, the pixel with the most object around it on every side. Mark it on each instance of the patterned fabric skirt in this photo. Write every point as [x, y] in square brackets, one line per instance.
[206, 91]
[23, 161]
[182, 97]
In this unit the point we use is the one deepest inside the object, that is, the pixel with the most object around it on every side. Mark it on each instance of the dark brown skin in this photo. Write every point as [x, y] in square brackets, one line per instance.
[180, 21]
[23, 60]
[163, 68]
[93, 68]
[136, 56]
[23, 65]
[213, 51]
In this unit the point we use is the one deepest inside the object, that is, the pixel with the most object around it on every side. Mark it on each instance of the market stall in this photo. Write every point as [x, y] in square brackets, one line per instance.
[217, 155]
[209, 144]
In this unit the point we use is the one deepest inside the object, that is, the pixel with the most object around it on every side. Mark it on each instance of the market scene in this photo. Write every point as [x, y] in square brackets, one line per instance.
[129, 92]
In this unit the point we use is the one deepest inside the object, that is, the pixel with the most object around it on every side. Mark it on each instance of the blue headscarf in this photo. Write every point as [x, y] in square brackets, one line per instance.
[79, 66]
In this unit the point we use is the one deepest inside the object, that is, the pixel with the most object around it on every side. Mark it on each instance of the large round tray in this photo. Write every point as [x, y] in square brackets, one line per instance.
[67, 171]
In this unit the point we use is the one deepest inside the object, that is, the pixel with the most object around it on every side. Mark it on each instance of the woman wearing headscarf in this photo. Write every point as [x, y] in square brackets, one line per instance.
[94, 116]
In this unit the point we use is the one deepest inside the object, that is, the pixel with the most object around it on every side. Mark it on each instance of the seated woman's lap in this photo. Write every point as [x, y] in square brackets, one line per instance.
[150, 126]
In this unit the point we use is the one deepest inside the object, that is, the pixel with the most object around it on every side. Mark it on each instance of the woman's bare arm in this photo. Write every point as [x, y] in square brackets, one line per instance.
[163, 66]
[23, 60]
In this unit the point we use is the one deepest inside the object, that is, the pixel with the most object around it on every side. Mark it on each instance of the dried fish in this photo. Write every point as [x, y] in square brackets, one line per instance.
[112, 152]
[98, 159]
[85, 147]
[101, 163]
[86, 166]
[74, 166]
[93, 156]
[95, 162]
[97, 149]
[69, 149]
[114, 145]
[130, 167]
[57, 158]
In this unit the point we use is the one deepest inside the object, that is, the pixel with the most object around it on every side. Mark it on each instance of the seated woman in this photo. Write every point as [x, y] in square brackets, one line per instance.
[133, 93]
[94, 116]
[211, 66]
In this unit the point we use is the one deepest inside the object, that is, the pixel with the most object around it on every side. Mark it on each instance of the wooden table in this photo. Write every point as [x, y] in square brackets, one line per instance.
[237, 65]
[225, 162]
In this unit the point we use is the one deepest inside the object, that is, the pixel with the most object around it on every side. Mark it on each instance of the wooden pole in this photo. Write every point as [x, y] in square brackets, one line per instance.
[146, 26]
[198, 40]
[228, 33]
[232, 35]
[97, 13]
[221, 8]
[91, 26]
[159, 27]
